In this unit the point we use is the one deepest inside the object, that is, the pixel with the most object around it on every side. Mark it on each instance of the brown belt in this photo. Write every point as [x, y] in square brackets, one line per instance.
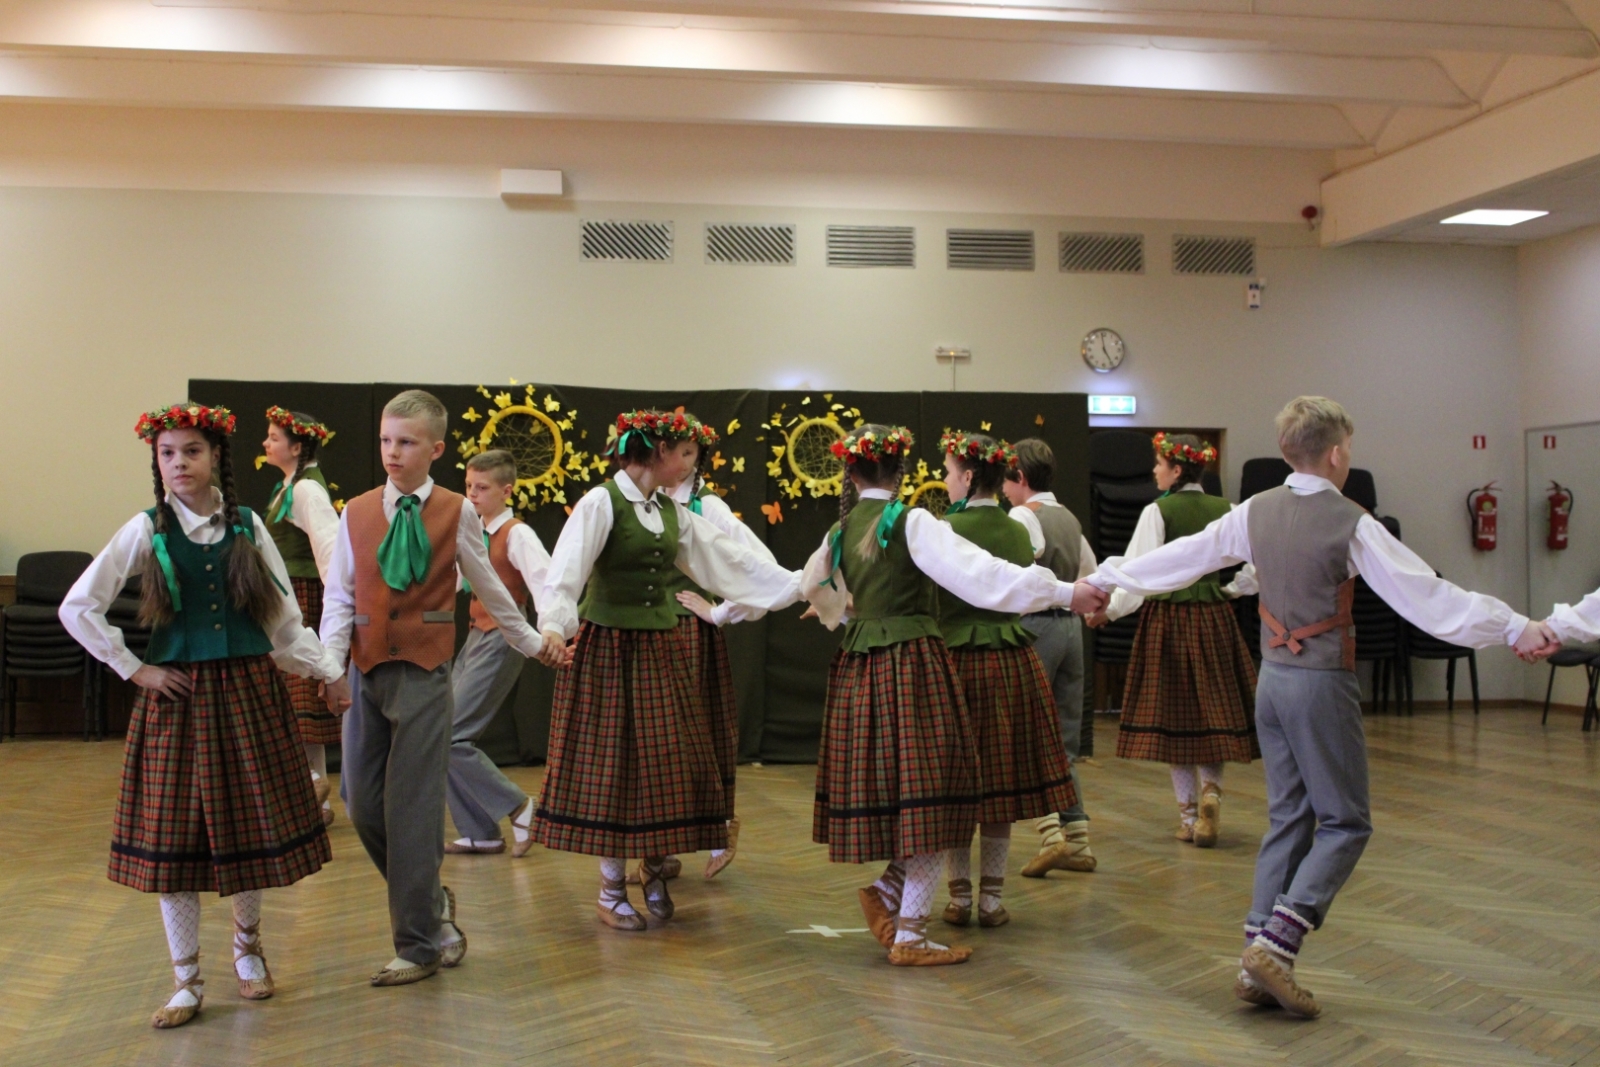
[1282, 637]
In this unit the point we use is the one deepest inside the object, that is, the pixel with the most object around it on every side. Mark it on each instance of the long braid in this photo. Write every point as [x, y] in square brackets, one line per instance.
[250, 585]
[155, 600]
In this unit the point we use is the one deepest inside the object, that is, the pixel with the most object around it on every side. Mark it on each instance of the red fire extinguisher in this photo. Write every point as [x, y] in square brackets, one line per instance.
[1484, 507]
[1560, 498]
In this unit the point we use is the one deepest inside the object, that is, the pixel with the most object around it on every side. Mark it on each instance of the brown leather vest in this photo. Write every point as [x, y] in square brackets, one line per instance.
[417, 625]
[510, 577]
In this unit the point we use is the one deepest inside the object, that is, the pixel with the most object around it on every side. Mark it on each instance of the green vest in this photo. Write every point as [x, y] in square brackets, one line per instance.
[208, 627]
[677, 581]
[965, 626]
[894, 601]
[628, 587]
[294, 545]
[1186, 513]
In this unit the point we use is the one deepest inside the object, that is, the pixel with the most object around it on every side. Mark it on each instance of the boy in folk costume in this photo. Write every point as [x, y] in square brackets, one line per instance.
[215, 794]
[1189, 701]
[633, 768]
[1059, 544]
[487, 668]
[1022, 765]
[1308, 543]
[391, 605]
[897, 770]
[304, 526]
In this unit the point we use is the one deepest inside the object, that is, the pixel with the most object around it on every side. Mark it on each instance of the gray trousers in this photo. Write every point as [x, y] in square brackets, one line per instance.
[1314, 751]
[396, 753]
[485, 671]
[1058, 641]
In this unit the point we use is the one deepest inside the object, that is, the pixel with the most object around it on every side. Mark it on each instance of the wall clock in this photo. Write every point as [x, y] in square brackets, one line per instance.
[1102, 350]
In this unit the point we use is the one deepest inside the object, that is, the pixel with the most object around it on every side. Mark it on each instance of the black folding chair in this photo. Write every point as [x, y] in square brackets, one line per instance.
[35, 644]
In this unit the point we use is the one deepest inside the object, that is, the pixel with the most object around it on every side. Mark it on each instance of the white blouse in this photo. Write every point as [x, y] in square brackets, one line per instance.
[313, 513]
[952, 562]
[525, 551]
[716, 561]
[83, 612]
[716, 511]
[1149, 535]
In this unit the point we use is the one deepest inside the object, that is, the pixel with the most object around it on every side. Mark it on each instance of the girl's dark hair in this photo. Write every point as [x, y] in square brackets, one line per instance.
[1188, 473]
[249, 579]
[308, 445]
[884, 473]
[987, 478]
[641, 449]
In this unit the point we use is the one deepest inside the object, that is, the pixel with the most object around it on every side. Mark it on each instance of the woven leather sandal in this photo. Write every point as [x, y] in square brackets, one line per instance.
[168, 1018]
[251, 988]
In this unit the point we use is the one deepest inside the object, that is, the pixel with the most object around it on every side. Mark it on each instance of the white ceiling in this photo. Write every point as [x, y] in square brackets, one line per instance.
[1361, 79]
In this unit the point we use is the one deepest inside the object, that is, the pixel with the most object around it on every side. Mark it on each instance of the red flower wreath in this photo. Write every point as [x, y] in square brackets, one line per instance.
[960, 443]
[184, 417]
[897, 441]
[286, 419]
[1181, 453]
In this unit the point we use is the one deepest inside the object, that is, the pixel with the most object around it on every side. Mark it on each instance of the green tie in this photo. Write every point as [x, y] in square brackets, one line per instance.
[405, 553]
[286, 508]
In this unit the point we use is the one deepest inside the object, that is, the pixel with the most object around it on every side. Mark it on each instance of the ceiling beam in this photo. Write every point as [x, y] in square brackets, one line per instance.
[1495, 152]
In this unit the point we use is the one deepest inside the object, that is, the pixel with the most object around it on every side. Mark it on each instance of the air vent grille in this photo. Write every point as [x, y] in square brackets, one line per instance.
[1213, 255]
[743, 242]
[637, 242]
[989, 249]
[1102, 253]
[872, 246]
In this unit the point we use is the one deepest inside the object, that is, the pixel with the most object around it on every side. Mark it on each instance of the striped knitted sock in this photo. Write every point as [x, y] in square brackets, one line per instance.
[1283, 933]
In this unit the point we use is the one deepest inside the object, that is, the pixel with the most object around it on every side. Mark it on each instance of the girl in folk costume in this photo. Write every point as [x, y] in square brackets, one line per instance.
[1190, 694]
[304, 526]
[632, 768]
[897, 770]
[215, 793]
[701, 624]
[1022, 764]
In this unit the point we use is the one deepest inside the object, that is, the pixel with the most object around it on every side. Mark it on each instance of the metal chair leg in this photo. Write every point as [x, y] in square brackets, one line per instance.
[1472, 670]
[1450, 685]
[1549, 688]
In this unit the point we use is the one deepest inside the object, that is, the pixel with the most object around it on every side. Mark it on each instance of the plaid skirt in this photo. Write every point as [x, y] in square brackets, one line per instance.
[708, 656]
[897, 768]
[1021, 761]
[318, 725]
[632, 770]
[216, 794]
[1191, 690]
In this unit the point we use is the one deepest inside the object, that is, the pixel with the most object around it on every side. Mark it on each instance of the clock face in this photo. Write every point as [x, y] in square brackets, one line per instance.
[1102, 350]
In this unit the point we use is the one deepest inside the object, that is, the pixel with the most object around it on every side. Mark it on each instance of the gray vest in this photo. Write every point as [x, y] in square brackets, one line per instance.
[1063, 541]
[1301, 549]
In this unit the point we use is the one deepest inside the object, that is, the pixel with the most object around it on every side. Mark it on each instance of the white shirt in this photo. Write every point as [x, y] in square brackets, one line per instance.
[1576, 625]
[1394, 572]
[83, 612]
[525, 552]
[1030, 522]
[715, 561]
[1149, 535]
[716, 511]
[313, 513]
[472, 560]
[952, 562]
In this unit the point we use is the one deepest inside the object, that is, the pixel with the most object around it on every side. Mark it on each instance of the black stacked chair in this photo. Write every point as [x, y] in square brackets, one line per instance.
[1585, 656]
[1381, 636]
[36, 645]
[1258, 476]
[1121, 486]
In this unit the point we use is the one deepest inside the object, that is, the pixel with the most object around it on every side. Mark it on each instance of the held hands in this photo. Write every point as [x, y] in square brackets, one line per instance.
[697, 604]
[1538, 642]
[172, 684]
[337, 694]
[1097, 620]
[554, 652]
[1088, 600]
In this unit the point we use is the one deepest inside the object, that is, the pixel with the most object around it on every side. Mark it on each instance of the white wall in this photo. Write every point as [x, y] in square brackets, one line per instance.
[112, 300]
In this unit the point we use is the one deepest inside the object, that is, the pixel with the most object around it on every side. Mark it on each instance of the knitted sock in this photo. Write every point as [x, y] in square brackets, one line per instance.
[891, 884]
[916, 903]
[614, 872]
[521, 821]
[180, 913]
[995, 846]
[1283, 933]
[247, 916]
[317, 756]
[1049, 829]
[1184, 786]
[1211, 777]
[958, 869]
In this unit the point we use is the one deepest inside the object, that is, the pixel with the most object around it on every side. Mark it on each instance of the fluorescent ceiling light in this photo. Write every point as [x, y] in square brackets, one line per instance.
[1491, 217]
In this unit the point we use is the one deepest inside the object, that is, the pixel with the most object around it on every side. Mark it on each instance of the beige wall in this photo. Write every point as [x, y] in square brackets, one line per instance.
[114, 299]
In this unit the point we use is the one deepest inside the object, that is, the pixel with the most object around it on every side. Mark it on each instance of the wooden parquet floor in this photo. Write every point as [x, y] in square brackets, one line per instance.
[1469, 935]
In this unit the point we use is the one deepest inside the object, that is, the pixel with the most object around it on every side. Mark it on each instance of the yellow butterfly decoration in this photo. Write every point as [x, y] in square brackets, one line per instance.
[986, 426]
[552, 404]
[773, 512]
[717, 462]
[261, 461]
[738, 464]
[471, 415]
[1038, 420]
[733, 426]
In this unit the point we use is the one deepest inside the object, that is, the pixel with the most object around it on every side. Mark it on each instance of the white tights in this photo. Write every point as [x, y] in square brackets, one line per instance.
[1190, 780]
[180, 914]
[994, 848]
[614, 873]
[916, 902]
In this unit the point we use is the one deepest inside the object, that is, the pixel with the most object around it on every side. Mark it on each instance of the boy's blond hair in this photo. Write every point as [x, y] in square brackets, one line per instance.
[419, 404]
[1310, 425]
[497, 463]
